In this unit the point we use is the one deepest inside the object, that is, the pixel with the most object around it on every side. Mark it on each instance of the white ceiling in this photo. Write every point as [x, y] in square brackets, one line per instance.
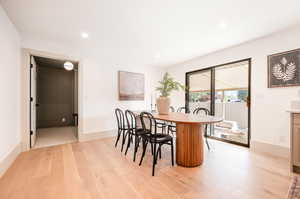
[157, 32]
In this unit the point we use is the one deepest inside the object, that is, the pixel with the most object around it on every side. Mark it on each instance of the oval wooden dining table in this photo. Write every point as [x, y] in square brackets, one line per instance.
[189, 138]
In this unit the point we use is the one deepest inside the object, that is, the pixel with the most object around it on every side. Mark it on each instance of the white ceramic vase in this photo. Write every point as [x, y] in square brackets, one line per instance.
[163, 105]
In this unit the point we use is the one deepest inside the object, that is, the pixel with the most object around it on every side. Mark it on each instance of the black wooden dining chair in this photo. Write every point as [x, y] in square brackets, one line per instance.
[122, 128]
[156, 140]
[172, 109]
[164, 125]
[206, 112]
[181, 109]
[201, 109]
[171, 125]
[134, 131]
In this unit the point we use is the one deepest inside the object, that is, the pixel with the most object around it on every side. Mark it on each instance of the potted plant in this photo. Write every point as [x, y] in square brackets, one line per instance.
[167, 85]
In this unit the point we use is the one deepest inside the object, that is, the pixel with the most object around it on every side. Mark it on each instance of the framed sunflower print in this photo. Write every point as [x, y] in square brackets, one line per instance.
[284, 69]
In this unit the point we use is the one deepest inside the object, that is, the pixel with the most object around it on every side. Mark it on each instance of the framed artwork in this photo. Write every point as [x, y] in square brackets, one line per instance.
[284, 69]
[131, 86]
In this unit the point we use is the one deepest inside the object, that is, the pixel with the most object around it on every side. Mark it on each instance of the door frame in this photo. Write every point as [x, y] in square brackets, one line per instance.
[212, 85]
[31, 101]
[25, 100]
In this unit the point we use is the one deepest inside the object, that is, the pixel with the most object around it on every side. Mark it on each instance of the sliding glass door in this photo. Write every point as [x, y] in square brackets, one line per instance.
[225, 91]
[199, 90]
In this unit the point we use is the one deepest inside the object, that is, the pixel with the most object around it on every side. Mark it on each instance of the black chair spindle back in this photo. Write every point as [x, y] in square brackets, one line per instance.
[131, 120]
[206, 112]
[121, 126]
[172, 109]
[180, 109]
[148, 122]
[120, 118]
[200, 109]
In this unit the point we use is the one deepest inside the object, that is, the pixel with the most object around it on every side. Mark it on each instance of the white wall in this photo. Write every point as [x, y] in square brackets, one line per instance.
[98, 81]
[100, 93]
[270, 121]
[9, 86]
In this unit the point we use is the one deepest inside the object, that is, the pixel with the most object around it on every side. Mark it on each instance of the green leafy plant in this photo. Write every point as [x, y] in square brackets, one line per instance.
[167, 85]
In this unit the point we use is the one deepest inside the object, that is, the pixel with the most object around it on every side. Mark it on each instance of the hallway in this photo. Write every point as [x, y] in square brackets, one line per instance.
[55, 136]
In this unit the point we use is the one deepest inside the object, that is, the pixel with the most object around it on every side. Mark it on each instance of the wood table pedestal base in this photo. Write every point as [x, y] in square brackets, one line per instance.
[189, 145]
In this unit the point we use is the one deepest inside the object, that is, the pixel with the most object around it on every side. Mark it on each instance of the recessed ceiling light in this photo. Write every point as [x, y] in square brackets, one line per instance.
[222, 25]
[84, 35]
[68, 65]
[157, 56]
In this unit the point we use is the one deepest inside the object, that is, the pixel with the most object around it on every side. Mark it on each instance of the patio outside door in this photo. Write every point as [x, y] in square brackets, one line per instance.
[225, 91]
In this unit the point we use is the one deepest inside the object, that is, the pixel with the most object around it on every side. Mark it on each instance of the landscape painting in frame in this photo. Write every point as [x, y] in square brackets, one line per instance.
[284, 69]
[131, 86]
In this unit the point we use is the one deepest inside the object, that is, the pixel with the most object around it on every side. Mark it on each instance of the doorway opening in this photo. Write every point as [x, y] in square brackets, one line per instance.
[53, 101]
[225, 91]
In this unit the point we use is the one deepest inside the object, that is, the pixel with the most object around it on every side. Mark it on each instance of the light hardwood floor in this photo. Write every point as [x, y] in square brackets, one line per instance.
[97, 170]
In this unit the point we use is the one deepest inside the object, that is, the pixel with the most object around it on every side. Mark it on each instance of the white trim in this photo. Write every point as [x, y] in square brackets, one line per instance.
[270, 149]
[99, 135]
[9, 159]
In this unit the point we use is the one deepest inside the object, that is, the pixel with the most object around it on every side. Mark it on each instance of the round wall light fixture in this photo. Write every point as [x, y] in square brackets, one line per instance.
[68, 65]
[84, 35]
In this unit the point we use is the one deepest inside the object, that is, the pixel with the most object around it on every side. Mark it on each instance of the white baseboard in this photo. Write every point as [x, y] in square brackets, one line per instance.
[94, 136]
[270, 149]
[9, 159]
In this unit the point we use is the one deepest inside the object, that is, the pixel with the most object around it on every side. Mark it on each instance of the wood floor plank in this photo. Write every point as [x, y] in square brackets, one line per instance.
[98, 170]
[88, 178]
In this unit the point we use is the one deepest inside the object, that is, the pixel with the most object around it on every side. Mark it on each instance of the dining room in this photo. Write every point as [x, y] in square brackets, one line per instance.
[171, 99]
[174, 143]
[162, 125]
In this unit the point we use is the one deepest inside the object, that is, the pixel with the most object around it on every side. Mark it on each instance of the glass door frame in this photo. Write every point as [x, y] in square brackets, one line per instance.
[212, 94]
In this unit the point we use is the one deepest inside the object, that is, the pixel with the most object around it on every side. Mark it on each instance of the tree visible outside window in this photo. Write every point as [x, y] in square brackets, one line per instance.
[220, 96]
